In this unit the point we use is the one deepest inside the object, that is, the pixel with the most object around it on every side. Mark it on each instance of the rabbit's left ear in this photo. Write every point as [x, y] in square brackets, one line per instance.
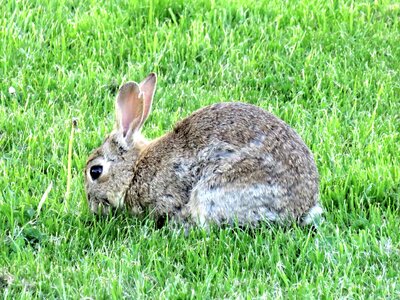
[133, 104]
[147, 88]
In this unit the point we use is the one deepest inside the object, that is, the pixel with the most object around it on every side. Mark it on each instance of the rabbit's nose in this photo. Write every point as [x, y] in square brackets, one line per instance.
[96, 171]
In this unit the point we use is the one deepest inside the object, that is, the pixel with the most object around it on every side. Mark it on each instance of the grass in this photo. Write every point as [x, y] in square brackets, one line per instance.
[328, 68]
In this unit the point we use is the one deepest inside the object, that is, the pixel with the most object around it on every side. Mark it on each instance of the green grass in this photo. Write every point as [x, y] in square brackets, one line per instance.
[328, 68]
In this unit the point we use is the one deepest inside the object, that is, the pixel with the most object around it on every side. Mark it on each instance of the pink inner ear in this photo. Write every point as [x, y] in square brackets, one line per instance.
[129, 107]
[130, 115]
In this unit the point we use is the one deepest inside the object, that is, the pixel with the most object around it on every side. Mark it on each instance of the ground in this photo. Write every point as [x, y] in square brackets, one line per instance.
[330, 69]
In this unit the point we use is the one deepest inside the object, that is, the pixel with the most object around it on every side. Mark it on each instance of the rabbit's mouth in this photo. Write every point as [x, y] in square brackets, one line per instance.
[104, 205]
[116, 200]
[100, 206]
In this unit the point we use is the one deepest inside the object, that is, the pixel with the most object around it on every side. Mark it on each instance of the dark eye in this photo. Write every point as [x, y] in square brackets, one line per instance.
[96, 171]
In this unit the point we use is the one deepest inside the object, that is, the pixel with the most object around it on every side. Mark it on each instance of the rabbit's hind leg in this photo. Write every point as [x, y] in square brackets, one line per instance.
[228, 204]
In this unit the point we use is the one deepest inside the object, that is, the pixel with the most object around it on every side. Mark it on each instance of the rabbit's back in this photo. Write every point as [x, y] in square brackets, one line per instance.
[227, 162]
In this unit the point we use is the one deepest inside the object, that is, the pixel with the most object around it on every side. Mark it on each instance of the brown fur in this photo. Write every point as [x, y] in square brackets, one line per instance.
[225, 162]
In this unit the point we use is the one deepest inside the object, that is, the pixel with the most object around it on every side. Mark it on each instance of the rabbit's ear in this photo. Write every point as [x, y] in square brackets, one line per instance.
[147, 88]
[129, 108]
[134, 103]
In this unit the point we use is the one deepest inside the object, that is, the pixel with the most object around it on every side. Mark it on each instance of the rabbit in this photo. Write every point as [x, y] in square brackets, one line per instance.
[226, 163]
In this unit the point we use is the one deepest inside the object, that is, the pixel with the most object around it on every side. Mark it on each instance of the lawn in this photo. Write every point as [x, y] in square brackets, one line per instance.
[330, 69]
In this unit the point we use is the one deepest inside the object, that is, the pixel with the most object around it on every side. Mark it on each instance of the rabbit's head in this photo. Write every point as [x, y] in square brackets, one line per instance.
[109, 168]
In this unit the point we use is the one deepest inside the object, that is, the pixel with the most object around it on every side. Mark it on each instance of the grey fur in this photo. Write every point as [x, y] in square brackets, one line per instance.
[228, 162]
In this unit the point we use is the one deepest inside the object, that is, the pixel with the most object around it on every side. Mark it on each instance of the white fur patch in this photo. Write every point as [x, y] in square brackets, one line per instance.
[116, 199]
[258, 141]
[313, 215]
[226, 204]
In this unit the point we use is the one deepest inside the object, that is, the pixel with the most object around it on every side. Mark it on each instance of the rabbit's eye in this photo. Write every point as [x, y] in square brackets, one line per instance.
[96, 171]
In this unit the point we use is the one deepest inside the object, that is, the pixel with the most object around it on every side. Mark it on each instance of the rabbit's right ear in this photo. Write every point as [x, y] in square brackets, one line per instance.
[129, 108]
[134, 104]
